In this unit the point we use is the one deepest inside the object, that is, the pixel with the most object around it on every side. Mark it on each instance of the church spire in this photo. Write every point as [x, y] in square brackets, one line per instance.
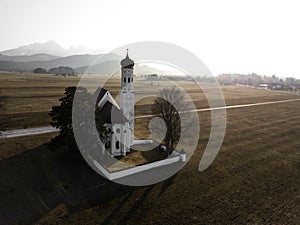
[127, 93]
[127, 62]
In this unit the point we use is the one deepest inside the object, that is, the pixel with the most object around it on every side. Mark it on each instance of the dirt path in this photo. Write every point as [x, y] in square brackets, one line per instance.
[49, 129]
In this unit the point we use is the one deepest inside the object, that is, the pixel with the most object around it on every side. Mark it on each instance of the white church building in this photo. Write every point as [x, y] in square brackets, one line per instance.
[119, 121]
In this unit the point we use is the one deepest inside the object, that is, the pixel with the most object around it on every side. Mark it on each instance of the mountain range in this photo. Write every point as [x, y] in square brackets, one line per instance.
[28, 58]
[49, 55]
[48, 48]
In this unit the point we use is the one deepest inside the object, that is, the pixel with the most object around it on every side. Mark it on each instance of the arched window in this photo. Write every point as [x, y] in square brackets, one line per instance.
[128, 79]
[117, 144]
[124, 79]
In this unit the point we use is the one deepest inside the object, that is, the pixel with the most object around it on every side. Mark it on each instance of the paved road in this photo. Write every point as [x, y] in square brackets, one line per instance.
[27, 132]
[233, 106]
[49, 129]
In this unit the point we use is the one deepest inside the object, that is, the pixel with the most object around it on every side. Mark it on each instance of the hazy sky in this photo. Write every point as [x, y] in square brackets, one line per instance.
[229, 36]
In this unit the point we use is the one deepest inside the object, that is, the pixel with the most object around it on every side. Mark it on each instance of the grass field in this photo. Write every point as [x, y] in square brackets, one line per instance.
[28, 98]
[253, 180]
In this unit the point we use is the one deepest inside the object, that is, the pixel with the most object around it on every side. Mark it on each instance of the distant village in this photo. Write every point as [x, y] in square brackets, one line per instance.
[255, 80]
[250, 80]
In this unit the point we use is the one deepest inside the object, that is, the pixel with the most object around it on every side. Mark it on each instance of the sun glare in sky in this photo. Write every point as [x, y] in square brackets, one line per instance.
[167, 68]
[229, 36]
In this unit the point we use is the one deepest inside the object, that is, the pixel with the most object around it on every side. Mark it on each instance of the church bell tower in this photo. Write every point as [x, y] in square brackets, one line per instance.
[127, 93]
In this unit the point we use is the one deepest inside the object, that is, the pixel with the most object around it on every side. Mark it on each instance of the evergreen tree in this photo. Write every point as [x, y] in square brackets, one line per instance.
[62, 117]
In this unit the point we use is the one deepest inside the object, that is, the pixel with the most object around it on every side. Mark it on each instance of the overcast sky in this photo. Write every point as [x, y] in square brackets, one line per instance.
[229, 36]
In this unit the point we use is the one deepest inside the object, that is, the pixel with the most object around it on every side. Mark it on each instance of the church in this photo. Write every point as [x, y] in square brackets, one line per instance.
[119, 120]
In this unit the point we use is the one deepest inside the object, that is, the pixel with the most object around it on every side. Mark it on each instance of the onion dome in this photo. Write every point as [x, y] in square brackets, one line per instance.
[127, 62]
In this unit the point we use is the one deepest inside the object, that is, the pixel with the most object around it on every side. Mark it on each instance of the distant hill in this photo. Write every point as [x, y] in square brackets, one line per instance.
[51, 55]
[79, 63]
[99, 68]
[49, 48]
[74, 61]
[109, 66]
[28, 58]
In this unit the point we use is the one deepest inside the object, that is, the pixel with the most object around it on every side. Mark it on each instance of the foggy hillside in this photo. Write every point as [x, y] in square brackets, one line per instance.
[28, 58]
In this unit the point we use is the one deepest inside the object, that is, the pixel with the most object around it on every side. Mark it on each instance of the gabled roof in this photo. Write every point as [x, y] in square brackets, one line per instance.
[109, 113]
[103, 96]
[100, 93]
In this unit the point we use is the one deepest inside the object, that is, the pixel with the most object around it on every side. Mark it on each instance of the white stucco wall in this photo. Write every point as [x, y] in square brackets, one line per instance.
[127, 99]
[175, 157]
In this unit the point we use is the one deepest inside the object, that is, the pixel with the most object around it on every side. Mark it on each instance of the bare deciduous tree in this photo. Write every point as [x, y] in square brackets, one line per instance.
[164, 107]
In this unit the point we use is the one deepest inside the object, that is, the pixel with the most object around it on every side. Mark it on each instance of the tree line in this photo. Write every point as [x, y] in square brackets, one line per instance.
[61, 70]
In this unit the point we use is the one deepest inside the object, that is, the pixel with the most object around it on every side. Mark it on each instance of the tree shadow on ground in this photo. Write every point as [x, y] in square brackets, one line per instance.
[138, 203]
[166, 184]
[35, 182]
[125, 219]
[116, 210]
[136, 206]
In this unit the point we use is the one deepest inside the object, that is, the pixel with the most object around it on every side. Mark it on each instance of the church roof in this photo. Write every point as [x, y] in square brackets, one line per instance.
[127, 62]
[100, 94]
[109, 113]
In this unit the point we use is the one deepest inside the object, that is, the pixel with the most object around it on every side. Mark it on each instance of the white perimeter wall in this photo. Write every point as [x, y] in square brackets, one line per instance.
[175, 157]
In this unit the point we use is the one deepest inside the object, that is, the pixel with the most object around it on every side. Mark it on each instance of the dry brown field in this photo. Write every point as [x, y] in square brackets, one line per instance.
[253, 180]
[28, 98]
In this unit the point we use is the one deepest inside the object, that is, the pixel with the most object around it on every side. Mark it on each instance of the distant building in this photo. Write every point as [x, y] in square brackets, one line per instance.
[265, 86]
[275, 86]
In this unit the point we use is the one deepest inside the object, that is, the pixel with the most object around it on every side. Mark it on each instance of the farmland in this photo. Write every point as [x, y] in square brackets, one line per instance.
[253, 180]
[28, 98]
